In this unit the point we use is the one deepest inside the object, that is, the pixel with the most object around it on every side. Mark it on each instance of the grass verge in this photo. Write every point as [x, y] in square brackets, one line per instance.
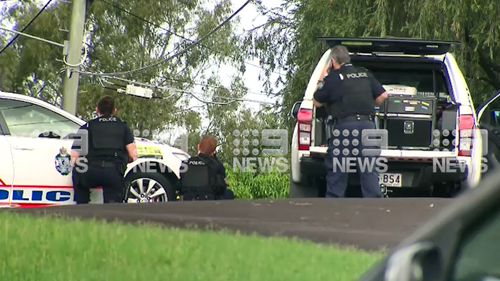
[53, 249]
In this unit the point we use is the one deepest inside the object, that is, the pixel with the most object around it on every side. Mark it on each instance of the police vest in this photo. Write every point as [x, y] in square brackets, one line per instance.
[356, 93]
[216, 179]
[107, 139]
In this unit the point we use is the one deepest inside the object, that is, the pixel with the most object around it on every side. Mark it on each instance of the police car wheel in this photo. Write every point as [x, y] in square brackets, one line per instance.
[148, 188]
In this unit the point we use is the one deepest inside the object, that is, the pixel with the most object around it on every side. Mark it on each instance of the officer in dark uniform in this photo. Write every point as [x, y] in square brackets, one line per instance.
[217, 172]
[350, 94]
[110, 147]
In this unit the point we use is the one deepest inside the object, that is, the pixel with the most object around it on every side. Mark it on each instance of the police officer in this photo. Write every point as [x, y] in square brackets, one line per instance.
[217, 172]
[350, 94]
[110, 146]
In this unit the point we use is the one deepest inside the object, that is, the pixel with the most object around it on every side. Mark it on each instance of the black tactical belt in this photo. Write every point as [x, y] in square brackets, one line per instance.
[103, 163]
[357, 117]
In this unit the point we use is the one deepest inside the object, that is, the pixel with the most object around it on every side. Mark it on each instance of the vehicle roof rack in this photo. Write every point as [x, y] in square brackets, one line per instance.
[391, 45]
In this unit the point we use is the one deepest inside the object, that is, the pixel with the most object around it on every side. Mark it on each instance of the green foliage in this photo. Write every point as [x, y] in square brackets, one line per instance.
[289, 40]
[247, 185]
[29, 66]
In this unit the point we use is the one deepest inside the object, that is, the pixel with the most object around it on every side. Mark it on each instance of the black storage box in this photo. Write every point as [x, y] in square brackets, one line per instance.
[407, 132]
[409, 121]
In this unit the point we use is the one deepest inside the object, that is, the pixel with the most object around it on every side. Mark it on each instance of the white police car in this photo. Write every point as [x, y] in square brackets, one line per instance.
[35, 167]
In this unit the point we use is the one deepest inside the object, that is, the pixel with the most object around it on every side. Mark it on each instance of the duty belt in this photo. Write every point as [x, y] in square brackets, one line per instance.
[356, 117]
[103, 163]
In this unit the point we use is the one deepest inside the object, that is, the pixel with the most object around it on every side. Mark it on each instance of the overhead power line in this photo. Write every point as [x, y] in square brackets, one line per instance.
[24, 28]
[186, 49]
[209, 86]
[229, 100]
[120, 8]
[32, 37]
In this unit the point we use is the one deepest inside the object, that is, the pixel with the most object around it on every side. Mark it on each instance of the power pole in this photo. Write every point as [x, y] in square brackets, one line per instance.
[73, 52]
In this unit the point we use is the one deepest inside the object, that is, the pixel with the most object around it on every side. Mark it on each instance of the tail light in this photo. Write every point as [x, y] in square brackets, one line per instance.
[465, 126]
[304, 118]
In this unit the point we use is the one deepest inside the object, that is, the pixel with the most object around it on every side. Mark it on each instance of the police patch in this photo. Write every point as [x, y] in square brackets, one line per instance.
[63, 162]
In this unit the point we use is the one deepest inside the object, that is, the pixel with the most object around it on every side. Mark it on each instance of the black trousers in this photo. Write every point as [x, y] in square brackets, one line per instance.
[107, 175]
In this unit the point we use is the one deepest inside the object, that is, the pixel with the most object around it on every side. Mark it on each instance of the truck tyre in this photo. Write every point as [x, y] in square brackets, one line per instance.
[148, 187]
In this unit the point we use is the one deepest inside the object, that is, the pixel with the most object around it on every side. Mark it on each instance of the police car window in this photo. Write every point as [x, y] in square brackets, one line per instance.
[479, 253]
[423, 80]
[3, 126]
[28, 120]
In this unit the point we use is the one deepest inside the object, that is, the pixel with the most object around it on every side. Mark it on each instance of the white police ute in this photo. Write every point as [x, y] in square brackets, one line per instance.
[430, 141]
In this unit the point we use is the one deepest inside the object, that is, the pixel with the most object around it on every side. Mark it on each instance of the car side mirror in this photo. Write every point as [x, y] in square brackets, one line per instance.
[417, 262]
[495, 117]
[295, 109]
[482, 108]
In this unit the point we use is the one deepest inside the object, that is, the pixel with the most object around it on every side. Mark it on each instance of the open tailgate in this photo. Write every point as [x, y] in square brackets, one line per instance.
[391, 45]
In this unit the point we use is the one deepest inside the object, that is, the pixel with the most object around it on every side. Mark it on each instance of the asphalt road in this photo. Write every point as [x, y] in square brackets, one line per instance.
[370, 224]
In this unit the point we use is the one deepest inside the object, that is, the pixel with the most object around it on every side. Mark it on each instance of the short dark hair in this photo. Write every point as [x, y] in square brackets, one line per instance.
[106, 106]
[340, 54]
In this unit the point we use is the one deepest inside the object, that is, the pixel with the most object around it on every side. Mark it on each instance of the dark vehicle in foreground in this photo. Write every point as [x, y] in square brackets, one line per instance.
[461, 244]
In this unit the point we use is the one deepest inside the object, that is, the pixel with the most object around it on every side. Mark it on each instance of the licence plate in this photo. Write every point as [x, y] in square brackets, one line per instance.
[394, 180]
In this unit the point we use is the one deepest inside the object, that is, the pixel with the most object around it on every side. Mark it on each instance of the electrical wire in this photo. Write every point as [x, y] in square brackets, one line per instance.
[120, 8]
[177, 90]
[29, 23]
[210, 86]
[179, 53]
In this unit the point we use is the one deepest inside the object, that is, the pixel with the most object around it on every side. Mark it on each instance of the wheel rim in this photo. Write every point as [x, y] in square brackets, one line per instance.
[146, 190]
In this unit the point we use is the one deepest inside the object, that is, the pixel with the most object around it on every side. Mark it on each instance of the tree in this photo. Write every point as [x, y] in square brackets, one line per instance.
[29, 66]
[120, 36]
[289, 39]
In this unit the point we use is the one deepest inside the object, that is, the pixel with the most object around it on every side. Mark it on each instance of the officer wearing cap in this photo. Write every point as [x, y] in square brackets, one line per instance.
[350, 94]
[110, 146]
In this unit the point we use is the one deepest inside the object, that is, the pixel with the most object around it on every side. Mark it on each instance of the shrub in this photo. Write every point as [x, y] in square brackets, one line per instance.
[247, 185]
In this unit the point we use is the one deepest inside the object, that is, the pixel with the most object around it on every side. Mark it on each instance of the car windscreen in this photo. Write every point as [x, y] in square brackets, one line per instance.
[24, 119]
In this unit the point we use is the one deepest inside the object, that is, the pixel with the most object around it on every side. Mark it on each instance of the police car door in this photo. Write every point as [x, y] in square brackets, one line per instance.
[6, 167]
[41, 157]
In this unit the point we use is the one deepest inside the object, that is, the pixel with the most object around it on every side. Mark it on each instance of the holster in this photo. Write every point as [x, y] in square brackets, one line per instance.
[329, 126]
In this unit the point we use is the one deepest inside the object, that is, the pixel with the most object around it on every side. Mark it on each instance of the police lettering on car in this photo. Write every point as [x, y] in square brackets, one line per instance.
[32, 195]
[350, 94]
[109, 146]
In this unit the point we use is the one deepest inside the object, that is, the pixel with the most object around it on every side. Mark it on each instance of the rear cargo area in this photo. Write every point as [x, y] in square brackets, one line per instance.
[420, 114]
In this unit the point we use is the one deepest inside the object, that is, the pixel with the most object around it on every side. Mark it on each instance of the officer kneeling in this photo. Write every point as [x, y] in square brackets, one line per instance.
[350, 94]
[205, 178]
[110, 146]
